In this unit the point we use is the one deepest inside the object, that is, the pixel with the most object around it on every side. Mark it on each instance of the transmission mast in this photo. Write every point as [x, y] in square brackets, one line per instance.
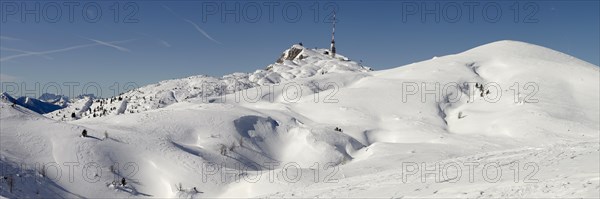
[333, 37]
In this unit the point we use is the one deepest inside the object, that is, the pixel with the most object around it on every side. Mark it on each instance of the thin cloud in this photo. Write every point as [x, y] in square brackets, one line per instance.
[196, 26]
[7, 78]
[7, 38]
[41, 53]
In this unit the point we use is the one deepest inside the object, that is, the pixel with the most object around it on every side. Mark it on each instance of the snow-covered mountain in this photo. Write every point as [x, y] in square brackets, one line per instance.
[35, 105]
[60, 100]
[443, 127]
[295, 62]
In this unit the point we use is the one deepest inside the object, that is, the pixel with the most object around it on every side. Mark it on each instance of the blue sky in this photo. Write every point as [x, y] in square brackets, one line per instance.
[104, 43]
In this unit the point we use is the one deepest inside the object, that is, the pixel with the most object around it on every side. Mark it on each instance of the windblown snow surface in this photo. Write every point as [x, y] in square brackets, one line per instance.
[426, 129]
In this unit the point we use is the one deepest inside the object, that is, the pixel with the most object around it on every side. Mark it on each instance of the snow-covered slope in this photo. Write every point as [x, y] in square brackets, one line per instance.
[296, 62]
[334, 134]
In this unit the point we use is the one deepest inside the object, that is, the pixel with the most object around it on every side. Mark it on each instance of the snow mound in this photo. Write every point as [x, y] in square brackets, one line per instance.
[520, 50]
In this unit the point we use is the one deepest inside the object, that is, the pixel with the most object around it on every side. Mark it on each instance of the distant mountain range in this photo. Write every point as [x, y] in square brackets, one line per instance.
[46, 103]
[36, 105]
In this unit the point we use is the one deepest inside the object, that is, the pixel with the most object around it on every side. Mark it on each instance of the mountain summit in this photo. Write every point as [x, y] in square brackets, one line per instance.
[295, 62]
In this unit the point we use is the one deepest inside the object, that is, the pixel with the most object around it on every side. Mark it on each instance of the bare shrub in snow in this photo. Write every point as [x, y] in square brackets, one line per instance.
[223, 150]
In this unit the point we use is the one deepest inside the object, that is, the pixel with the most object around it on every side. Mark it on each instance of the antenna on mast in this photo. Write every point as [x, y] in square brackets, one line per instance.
[333, 37]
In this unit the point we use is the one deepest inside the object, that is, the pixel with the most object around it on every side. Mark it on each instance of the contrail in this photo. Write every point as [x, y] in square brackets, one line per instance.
[162, 42]
[110, 45]
[201, 31]
[196, 26]
[42, 53]
[23, 51]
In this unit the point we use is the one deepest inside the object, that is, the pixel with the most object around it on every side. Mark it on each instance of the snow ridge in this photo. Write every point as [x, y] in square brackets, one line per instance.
[305, 63]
